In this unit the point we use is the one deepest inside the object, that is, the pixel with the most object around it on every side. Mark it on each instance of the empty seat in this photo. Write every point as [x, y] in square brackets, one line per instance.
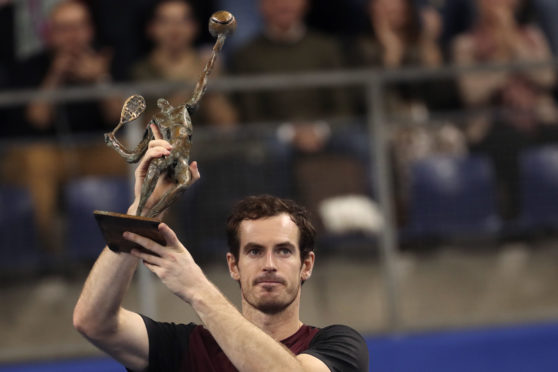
[539, 187]
[82, 197]
[452, 197]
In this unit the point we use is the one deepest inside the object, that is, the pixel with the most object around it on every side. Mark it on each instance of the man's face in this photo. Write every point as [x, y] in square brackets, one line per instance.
[283, 14]
[70, 28]
[269, 268]
[173, 27]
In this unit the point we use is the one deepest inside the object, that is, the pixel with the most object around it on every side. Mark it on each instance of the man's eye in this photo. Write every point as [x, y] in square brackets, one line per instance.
[285, 251]
[253, 252]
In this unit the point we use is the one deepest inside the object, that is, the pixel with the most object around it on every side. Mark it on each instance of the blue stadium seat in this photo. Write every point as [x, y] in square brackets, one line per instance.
[18, 236]
[539, 187]
[452, 197]
[82, 197]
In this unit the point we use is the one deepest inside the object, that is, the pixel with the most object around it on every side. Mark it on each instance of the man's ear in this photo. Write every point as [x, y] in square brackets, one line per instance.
[233, 267]
[307, 266]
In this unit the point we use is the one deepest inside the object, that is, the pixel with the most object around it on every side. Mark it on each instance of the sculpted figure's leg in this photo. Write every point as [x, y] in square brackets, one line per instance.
[182, 175]
[149, 183]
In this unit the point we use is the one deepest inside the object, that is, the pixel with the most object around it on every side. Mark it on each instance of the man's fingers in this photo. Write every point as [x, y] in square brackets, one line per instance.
[161, 143]
[147, 243]
[195, 172]
[146, 257]
[169, 235]
[152, 153]
[153, 268]
[156, 152]
[156, 132]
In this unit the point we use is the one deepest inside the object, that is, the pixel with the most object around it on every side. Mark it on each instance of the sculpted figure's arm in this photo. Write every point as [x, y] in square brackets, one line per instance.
[131, 156]
[98, 314]
[247, 346]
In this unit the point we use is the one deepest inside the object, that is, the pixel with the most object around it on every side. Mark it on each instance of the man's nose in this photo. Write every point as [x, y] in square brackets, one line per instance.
[269, 262]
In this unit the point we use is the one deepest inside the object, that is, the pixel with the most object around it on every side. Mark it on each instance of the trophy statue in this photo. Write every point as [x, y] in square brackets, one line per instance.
[175, 125]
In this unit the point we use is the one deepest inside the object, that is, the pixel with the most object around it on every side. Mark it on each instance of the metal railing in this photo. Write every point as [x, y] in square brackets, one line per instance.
[356, 77]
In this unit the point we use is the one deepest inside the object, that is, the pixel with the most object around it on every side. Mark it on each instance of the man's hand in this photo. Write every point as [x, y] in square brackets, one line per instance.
[59, 70]
[393, 47]
[172, 263]
[157, 148]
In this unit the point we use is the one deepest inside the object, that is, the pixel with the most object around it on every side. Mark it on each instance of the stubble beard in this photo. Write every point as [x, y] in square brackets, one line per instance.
[270, 307]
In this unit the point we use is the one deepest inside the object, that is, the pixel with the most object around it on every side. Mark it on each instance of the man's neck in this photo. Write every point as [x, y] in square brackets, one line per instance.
[292, 34]
[280, 325]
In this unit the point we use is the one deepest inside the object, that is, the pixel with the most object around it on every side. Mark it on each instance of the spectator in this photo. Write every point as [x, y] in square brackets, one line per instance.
[246, 15]
[498, 37]
[70, 60]
[401, 36]
[286, 45]
[324, 166]
[457, 16]
[173, 30]
[118, 26]
[396, 39]
[125, 37]
[526, 112]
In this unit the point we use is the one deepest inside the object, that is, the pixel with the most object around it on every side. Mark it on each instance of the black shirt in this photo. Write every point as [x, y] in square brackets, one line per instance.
[190, 347]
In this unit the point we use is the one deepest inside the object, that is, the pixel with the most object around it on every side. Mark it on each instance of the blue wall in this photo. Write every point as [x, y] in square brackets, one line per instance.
[513, 349]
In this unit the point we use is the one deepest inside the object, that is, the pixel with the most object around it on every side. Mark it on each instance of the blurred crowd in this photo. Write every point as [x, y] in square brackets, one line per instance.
[52, 44]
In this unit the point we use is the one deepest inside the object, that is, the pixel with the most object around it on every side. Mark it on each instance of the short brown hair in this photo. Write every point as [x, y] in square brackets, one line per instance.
[262, 206]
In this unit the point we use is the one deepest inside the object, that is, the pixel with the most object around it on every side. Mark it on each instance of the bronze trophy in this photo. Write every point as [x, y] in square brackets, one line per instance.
[175, 125]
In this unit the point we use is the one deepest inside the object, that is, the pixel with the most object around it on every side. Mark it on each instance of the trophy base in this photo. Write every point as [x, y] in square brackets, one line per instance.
[113, 225]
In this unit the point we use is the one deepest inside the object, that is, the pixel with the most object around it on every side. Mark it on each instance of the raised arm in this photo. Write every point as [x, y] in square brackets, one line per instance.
[247, 346]
[98, 314]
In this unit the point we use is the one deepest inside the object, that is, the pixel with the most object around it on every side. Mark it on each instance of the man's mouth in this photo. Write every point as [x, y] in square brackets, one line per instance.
[269, 281]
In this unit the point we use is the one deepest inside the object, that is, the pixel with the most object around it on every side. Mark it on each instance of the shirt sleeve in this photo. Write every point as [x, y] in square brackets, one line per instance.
[341, 348]
[168, 344]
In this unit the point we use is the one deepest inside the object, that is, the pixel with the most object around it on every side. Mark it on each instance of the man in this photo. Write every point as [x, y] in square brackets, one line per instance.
[527, 114]
[70, 60]
[286, 45]
[271, 242]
